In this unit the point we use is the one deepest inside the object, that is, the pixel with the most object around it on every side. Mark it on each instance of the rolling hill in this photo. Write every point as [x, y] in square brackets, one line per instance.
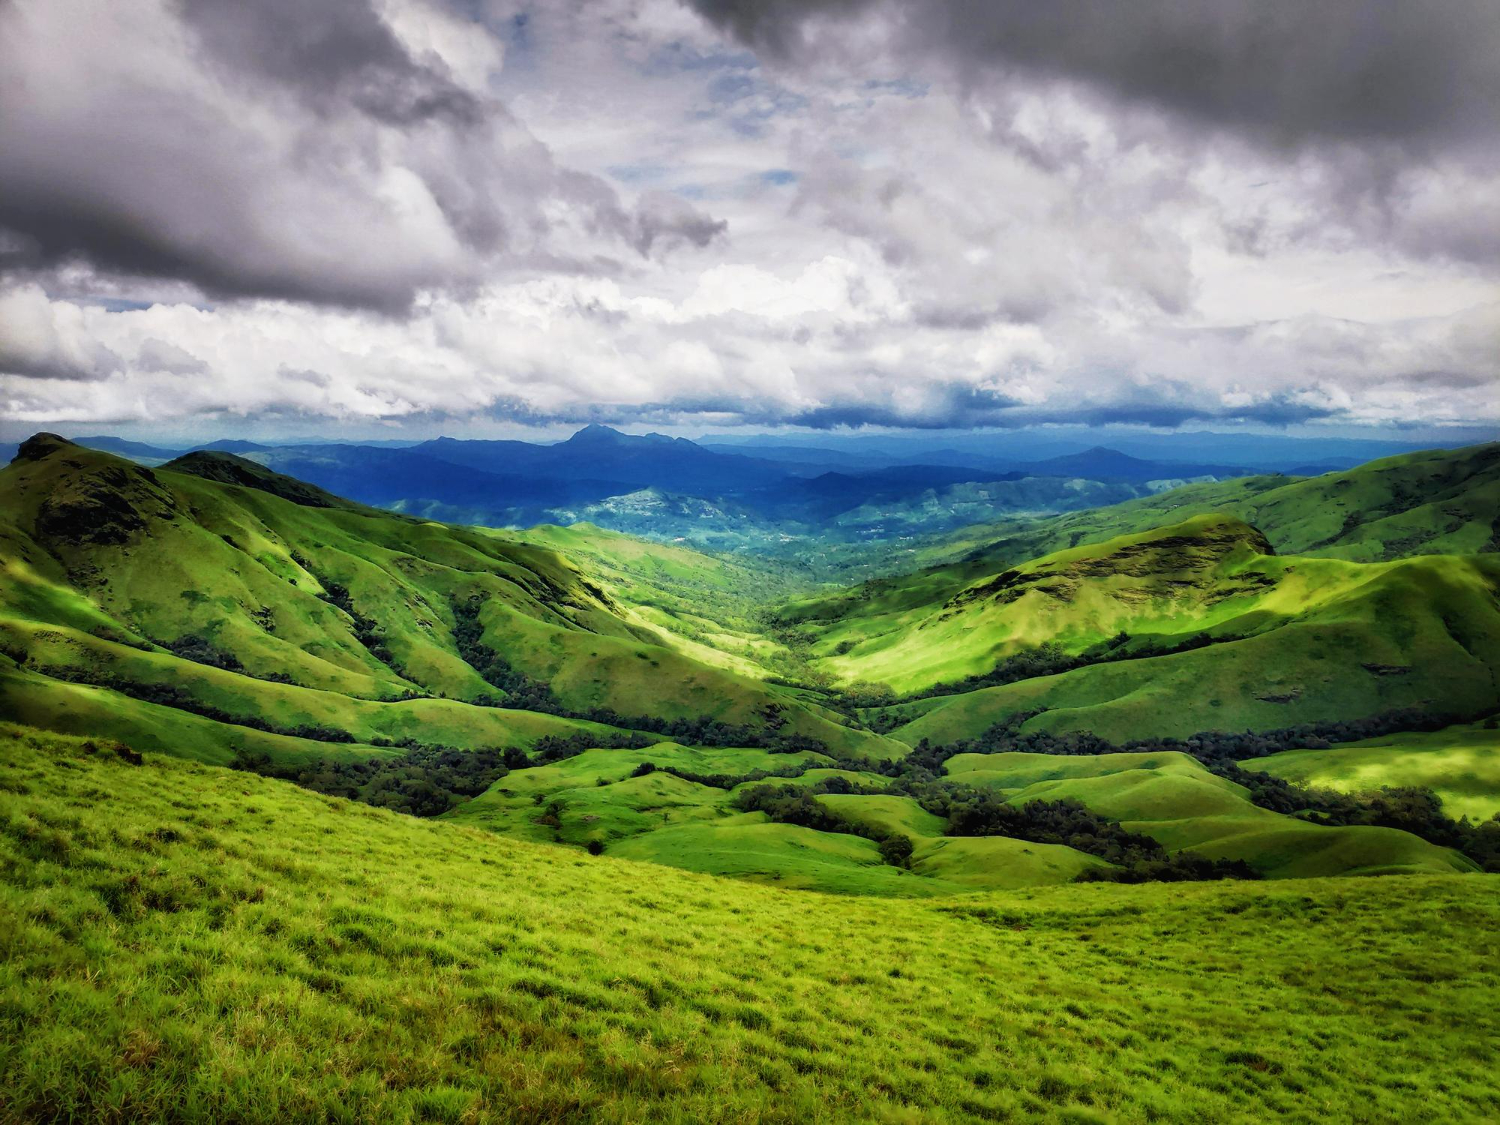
[1437, 501]
[578, 686]
[1460, 764]
[1174, 799]
[181, 940]
[1206, 622]
[305, 615]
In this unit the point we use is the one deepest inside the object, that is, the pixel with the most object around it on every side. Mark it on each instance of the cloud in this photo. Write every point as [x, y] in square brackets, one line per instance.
[1286, 70]
[667, 220]
[332, 55]
[162, 355]
[590, 349]
[280, 149]
[952, 214]
[1376, 124]
[40, 339]
[945, 406]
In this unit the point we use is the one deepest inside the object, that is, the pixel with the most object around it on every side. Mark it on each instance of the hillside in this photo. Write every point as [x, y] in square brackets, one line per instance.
[214, 609]
[1421, 634]
[1185, 628]
[184, 941]
[1437, 501]
[1174, 799]
[1206, 622]
[331, 623]
[1460, 764]
[687, 807]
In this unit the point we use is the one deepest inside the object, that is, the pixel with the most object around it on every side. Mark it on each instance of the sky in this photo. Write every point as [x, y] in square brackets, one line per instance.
[409, 217]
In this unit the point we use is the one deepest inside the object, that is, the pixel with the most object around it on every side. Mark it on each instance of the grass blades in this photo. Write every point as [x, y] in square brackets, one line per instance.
[183, 942]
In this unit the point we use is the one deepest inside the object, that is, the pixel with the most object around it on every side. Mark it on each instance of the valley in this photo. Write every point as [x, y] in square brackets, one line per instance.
[1220, 700]
[749, 562]
[582, 686]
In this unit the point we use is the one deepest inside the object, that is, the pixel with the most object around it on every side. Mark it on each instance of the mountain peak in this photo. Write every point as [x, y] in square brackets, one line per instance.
[41, 445]
[596, 432]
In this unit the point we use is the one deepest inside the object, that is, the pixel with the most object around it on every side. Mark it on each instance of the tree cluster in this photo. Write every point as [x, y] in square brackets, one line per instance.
[1413, 810]
[200, 651]
[424, 781]
[367, 631]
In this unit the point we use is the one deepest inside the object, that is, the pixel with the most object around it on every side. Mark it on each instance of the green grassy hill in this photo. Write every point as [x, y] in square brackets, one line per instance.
[1327, 641]
[1172, 628]
[1184, 628]
[1461, 764]
[310, 615]
[182, 942]
[1436, 502]
[1174, 799]
[1159, 586]
[706, 606]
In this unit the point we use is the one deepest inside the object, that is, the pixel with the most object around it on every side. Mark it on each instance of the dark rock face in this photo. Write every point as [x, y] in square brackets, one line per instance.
[40, 445]
[92, 498]
[97, 511]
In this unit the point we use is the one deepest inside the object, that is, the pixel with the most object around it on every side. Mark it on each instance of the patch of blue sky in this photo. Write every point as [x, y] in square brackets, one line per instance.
[125, 304]
[639, 172]
[900, 87]
[678, 56]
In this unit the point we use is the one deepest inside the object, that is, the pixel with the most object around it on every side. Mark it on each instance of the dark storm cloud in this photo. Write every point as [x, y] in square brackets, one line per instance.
[1278, 411]
[1285, 69]
[331, 53]
[49, 359]
[284, 149]
[952, 406]
[666, 220]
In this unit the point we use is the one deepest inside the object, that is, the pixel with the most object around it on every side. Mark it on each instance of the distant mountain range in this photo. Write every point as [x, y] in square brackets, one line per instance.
[674, 488]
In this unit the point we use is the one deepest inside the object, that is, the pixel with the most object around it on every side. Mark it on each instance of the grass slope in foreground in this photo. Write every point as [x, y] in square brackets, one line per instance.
[179, 942]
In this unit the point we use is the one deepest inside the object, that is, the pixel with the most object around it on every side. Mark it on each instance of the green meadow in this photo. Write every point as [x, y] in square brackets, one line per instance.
[1461, 764]
[1175, 800]
[600, 798]
[1079, 823]
[186, 942]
